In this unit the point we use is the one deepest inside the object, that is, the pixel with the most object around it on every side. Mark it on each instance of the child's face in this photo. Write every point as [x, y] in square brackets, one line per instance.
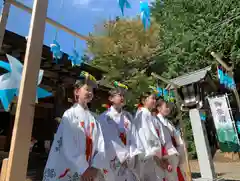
[85, 93]
[117, 100]
[150, 102]
[164, 110]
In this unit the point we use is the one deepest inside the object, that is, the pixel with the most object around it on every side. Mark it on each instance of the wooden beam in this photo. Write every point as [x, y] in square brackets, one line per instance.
[3, 20]
[219, 60]
[45, 105]
[48, 88]
[50, 74]
[231, 74]
[19, 151]
[164, 80]
[50, 21]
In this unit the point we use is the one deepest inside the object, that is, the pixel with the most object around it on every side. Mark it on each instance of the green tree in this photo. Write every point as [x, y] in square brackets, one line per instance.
[191, 29]
[125, 51]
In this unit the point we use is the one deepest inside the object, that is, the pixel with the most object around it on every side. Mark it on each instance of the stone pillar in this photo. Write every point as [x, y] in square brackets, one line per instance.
[202, 146]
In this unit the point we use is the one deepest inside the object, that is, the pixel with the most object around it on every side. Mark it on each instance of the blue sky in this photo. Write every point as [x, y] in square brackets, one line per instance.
[79, 15]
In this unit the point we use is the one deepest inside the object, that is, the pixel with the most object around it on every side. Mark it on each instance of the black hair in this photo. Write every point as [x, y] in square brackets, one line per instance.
[144, 96]
[78, 84]
[115, 91]
[160, 102]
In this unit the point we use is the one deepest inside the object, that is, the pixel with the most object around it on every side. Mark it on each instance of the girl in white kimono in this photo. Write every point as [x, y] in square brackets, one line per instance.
[173, 149]
[149, 140]
[77, 152]
[120, 144]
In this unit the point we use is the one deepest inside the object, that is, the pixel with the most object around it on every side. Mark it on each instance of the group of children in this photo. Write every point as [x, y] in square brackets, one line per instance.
[115, 146]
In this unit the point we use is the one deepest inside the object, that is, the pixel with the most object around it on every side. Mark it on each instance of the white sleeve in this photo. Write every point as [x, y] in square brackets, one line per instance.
[134, 142]
[99, 158]
[147, 134]
[113, 144]
[160, 130]
[73, 143]
[180, 145]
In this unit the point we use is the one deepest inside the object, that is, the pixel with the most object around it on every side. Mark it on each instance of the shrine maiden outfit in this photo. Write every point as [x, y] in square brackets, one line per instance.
[173, 149]
[150, 142]
[78, 144]
[120, 145]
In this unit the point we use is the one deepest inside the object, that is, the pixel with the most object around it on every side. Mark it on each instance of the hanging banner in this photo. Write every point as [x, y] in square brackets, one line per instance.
[224, 123]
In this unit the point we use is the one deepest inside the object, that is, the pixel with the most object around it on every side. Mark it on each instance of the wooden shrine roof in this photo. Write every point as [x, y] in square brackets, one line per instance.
[189, 78]
[54, 74]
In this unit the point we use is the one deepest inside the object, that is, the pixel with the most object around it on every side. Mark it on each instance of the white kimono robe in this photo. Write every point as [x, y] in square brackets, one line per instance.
[78, 144]
[174, 150]
[150, 142]
[120, 144]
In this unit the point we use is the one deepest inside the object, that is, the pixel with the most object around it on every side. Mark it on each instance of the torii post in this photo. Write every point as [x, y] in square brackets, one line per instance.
[187, 165]
[3, 20]
[19, 151]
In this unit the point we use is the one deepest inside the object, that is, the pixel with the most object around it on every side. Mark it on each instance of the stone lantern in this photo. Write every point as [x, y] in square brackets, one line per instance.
[192, 89]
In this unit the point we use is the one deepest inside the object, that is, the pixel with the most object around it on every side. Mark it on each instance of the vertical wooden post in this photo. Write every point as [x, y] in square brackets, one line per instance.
[4, 169]
[231, 74]
[3, 20]
[3, 23]
[19, 151]
[183, 132]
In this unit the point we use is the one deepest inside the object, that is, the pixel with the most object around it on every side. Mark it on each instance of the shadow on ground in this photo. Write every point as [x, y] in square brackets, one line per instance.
[196, 175]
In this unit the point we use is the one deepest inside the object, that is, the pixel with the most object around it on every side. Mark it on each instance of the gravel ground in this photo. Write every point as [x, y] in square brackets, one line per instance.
[228, 171]
[225, 167]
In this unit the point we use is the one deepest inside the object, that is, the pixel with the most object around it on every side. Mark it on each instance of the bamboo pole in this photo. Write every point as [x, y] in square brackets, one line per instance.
[50, 21]
[19, 151]
[183, 131]
[3, 20]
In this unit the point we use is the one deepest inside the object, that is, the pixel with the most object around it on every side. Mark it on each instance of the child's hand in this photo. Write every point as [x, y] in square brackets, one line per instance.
[164, 164]
[90, 174]
[169, 168]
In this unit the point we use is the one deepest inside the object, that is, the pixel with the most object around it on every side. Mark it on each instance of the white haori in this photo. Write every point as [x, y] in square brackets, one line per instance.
[120, 142]
[78, 144]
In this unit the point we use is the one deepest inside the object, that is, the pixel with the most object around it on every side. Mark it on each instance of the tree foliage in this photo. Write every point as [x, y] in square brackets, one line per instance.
[125, 51]
[191, 29]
